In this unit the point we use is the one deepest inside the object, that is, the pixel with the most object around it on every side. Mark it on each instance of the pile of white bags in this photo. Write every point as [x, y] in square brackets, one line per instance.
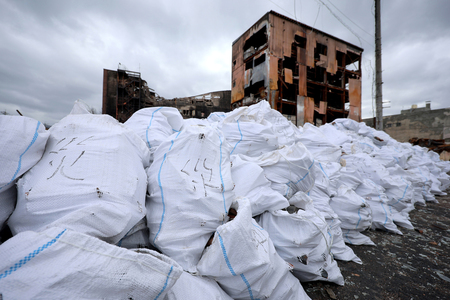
[189, 189]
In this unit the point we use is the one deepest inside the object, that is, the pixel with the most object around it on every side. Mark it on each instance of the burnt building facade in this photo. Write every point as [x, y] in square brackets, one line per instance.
[125, 92]
[306, 74]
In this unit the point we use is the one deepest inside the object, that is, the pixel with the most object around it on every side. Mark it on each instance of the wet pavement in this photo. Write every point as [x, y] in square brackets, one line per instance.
[413, 266]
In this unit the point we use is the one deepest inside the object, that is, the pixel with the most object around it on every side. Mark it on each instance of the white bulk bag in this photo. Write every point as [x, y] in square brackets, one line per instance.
[354, 237]
[154, 124]
[22, 143]
[350, 177]
[318, 144]
[285, 130]
[375, 196]
[190, 287]
[91, 179]
[62, 264]
[190, 192]
[353, 211]
[303, 240]
[334, 135]
[248, 135]
[243, 260]
[250, 182]
[288, 168]
[339, 249]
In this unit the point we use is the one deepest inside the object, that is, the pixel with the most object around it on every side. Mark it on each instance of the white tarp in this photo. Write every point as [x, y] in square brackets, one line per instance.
[190, 192]
[62, 264]
[91, 179]
[243, 260]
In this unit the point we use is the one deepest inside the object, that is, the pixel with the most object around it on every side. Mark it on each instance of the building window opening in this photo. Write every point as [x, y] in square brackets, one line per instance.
[300, 41]
[320, 49]
[260, 60]
[257, 39]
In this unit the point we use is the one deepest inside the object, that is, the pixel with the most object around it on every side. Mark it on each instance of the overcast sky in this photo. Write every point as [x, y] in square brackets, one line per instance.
[54, 52]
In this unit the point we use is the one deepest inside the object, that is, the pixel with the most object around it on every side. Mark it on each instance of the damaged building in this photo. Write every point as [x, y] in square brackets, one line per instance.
[125, 92]
[306, 74]
[417, 122]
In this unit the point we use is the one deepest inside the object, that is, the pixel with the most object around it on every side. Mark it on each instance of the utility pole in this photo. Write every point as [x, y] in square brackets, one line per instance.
[378, 80]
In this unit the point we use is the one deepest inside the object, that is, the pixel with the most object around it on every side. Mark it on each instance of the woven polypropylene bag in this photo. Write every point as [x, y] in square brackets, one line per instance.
[22, 143]
[243, 260]
[190, 192]
[90, 179]
[62, 264]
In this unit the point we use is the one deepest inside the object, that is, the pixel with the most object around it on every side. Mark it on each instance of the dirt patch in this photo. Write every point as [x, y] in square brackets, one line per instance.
[413, 266]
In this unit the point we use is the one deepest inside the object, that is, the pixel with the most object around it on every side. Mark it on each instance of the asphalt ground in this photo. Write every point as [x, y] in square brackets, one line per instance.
[413, 266]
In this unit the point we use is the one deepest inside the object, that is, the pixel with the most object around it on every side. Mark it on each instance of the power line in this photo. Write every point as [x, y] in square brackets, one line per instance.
[345, 25]
[281, 8]
[350, 19]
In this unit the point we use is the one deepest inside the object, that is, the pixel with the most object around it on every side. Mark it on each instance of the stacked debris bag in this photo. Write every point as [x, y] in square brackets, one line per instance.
[82, 197]
[241, 205]
[288, 168]
[326, 171]
[243, 260]
[302, 237]
[22, 145]
[190, 191]
[403, 174]
[59, 263]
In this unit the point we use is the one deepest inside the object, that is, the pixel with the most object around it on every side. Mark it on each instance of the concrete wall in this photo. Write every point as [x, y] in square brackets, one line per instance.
[419, 122]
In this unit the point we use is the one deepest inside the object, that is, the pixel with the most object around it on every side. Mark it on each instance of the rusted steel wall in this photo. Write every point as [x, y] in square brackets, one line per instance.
[120, 102]
[355, 99]
[303, 66]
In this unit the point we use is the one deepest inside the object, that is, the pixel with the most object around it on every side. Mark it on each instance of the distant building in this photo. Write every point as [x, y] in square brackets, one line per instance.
[125, 92]
[306, 74]
[417, 122]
